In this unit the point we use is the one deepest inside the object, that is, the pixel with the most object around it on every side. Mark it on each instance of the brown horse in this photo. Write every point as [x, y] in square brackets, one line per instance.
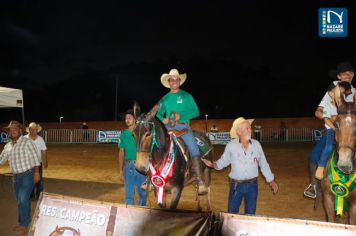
[164, 158]
[340, 176]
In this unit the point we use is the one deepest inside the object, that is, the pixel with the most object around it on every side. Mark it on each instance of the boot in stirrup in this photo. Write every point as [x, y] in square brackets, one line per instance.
[196, 165]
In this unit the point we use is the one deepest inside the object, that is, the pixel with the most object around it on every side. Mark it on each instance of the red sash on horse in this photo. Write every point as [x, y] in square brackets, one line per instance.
[160, 176]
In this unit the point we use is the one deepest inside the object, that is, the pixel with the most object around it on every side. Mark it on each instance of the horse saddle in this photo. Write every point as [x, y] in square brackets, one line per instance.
[178, 133]
[204, 145]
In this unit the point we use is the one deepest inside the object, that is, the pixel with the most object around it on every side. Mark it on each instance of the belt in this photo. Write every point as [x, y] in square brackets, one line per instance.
[130, 161]
[245, 181]
[182, 123]
[24, 173]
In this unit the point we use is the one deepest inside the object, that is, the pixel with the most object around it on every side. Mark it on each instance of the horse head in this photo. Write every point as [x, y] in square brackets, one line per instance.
[345, 133]
[146, 136]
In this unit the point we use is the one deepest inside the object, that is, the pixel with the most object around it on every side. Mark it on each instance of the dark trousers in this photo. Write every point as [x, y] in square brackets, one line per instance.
[38, 187]
[22, 185]
[246, 191]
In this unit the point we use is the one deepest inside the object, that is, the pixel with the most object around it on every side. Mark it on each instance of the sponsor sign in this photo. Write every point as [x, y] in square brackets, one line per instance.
[4, 137]
[333, 22]
[70, 216]
[110, 136]
[219, 138]
[62, 215]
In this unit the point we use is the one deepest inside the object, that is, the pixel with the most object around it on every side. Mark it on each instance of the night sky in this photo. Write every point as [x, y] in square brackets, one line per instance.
[251, 58]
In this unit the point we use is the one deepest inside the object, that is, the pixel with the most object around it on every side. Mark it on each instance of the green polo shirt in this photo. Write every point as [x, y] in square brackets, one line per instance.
[181, 102]
[127, 142]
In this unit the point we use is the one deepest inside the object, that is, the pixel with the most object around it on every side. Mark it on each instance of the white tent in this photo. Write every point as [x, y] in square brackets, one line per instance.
[10, 97]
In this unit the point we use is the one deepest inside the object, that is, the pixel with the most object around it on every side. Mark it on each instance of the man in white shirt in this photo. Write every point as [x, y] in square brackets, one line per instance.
[245, 155]
[33, 129]
[327, 111]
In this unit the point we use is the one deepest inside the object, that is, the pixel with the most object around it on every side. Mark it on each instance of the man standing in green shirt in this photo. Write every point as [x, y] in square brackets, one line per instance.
[127, 156]
[180, 106]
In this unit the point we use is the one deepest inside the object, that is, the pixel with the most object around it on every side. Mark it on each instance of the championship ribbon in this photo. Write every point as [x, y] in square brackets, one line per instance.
[160, 176]
[341, 185]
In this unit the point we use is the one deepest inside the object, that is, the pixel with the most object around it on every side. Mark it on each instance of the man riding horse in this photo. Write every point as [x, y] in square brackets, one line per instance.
[327, 112]
[176, 109]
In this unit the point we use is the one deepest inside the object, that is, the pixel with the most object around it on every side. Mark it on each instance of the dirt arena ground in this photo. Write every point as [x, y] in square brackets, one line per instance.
[91, 171]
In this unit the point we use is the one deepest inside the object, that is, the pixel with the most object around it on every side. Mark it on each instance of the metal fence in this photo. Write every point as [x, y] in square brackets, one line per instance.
[69, 135]
[287, 135]
[264, 135]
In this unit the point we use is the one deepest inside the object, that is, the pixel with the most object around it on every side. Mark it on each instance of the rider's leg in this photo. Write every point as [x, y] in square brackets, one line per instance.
[325, 154]
[310, 191]
[190, 141]
[315, 154]
[197, 167]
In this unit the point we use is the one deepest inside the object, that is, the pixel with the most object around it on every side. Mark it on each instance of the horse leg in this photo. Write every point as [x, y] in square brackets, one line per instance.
[176, 193]
[208, 199]
[352, 212]
[199, 199]
[329, 207]
[199, 207]
[318, 197]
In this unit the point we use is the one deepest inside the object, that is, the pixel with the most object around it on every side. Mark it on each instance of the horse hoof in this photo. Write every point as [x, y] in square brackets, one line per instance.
[202, 189]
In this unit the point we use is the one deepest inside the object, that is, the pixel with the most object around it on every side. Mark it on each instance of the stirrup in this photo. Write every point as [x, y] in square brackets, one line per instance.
[308, 193]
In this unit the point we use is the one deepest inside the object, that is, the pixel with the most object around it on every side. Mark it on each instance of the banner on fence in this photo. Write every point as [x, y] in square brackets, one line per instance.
[4, 137]
[63, 215]
[238, 225]
[110, 136]
[219, 137]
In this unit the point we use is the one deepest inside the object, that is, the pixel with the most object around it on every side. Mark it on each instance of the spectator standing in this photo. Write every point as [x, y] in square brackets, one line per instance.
[86, 135]
[33, 129]
[214, 129]
[245, 155]
[24, 161]
[133, 180]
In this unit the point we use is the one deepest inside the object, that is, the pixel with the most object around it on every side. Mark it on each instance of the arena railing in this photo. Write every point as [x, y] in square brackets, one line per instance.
[69, 135]
[264, 135]
[285, 135]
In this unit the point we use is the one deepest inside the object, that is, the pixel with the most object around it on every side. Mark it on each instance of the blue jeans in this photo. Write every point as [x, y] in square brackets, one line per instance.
[133, 180]
[38, 187]
[188, 139]
[323, 148]
[23, 185]
[249, 192]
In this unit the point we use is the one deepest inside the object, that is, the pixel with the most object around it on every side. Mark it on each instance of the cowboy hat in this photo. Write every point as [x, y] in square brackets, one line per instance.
[12, 124]
[237, 124]
[172, 72]
[342, 67]
[33, 125]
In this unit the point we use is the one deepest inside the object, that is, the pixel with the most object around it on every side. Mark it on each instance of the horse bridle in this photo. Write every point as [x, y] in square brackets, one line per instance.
[154, 140]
